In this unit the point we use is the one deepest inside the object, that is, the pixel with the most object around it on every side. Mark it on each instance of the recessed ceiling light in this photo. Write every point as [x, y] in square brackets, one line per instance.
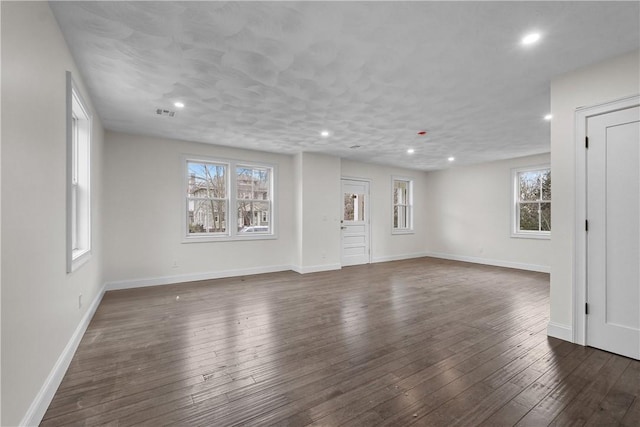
[451, 159]
[179, 104]
[530, 38]
[548, 117]
[411, 151]
[324, 133]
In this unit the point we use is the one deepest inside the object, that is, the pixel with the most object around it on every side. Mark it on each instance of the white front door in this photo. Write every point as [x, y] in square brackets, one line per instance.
[613, 236]
[355, 223]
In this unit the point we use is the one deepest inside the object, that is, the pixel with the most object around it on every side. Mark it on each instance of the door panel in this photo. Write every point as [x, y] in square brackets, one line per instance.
[355, 224]
[613, 239]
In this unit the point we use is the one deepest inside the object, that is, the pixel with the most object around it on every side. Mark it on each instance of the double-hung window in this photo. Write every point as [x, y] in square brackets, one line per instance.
[402, 205]
[531, 202]
[78, 178]
[228, 200]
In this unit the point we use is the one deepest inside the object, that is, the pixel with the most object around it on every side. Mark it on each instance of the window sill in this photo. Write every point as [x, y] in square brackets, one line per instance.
[407, 231]
[227, 238]
[533, 235]
[79, 260]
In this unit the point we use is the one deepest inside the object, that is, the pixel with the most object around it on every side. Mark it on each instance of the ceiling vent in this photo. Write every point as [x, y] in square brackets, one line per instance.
[163, 112]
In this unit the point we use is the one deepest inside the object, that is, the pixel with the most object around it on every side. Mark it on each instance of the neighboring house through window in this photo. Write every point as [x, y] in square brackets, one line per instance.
[402, 205]
[531, 205]
[228, 199]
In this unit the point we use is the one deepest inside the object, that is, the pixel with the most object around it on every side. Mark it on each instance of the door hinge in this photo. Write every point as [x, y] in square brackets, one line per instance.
[586, 308]
[586, 225]
[586, 142]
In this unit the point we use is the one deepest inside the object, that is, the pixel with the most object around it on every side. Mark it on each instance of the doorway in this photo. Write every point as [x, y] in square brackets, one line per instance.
[612, 228]
[355, 222]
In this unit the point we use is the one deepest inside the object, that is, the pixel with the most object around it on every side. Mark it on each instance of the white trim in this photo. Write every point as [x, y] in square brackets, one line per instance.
[315, 268]
[494, 262]
[562, 332]
[386, 258]
[579, 260]
[44, 397]
[192, 277]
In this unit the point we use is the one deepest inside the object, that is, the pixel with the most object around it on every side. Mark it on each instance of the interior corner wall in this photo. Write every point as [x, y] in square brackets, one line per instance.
[40, 309]
[386, 246]
[609, 80]
[144, 202]
[318, 215]
[469, 216]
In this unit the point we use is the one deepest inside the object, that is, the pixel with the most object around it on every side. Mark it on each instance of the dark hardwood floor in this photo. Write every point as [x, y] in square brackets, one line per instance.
[422, 342]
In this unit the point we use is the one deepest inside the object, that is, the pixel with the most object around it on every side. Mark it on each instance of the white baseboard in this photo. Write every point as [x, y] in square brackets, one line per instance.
[39, 406]
[192, 277]
[398, 257]
[562, 332]
[486, 261]
[315, 268]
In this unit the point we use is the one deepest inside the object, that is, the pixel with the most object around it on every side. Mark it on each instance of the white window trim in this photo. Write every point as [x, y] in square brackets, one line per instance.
[515, 223]
[232, 233]
[409, 229]
[75, 102]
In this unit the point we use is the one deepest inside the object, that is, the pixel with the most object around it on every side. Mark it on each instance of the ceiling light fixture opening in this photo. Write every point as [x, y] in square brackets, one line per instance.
[530, 39]
[548, 117]
[325, 134]
[411, 151]
[451, 159]
[178, 104]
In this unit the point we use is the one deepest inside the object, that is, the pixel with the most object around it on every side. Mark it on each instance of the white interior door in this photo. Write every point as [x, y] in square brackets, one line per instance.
[613, 237]
[355, 223]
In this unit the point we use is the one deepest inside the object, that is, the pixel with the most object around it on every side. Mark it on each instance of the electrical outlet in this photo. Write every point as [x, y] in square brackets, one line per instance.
[80, 301]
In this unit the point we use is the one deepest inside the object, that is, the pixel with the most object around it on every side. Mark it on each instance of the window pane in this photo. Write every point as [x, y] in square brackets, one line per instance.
[353, 207]
[545, 216]
[207, 180]
[546, 185]
[400, 217]
[529, 184]
[529, 216]
[207, 216]
[253, 183]
[253, 217]
[400, 192]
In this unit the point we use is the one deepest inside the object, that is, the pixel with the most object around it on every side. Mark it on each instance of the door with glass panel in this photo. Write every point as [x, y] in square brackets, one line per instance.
[355, 223]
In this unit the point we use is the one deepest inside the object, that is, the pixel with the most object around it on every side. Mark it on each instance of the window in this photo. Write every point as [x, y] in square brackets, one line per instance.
[78, 178]
[532, 202]
[402, 206]
[228, 200]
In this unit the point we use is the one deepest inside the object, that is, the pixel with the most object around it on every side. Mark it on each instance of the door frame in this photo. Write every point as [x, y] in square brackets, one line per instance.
[580, 237]
[368, 213]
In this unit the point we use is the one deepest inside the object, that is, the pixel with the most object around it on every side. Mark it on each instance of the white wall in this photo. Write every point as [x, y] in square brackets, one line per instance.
[609, 80]
[484, 236]
[318, 190]
[144, 203]
[384, 245]
[40, 311]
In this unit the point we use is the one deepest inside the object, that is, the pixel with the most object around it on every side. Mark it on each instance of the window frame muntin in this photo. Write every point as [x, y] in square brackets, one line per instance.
[515, 204]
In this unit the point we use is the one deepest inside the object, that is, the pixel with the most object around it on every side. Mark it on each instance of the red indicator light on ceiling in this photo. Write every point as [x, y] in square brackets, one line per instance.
[422, 132]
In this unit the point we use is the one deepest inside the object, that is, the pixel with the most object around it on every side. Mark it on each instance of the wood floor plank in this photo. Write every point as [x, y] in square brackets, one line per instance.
[413, 342]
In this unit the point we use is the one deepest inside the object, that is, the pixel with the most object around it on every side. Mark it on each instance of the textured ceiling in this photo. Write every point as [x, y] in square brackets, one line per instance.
[271, 75]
